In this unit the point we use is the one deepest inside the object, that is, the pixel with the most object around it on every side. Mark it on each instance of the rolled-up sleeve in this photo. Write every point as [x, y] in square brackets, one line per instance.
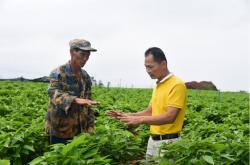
[60, 99]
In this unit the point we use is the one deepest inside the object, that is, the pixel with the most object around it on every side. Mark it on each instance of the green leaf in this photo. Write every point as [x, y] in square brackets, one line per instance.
[74, 143]
[90, 153]
[4, 162]
[36, 161]
[219, 147]
[7, 142]
[28, 147]
[179, 160]
[227, 156]
[194, 161]
[208, 159]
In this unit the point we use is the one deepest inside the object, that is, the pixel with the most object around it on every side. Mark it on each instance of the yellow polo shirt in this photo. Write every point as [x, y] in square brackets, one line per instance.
[169, 92]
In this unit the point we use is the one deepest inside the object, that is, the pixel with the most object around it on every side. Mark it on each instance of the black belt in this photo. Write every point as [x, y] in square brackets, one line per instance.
[164, 137]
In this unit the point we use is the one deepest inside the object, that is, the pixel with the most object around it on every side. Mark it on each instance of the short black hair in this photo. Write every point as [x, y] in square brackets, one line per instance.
[157, 54]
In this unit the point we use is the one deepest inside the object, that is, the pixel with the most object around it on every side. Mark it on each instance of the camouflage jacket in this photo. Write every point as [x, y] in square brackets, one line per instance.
[64, 118]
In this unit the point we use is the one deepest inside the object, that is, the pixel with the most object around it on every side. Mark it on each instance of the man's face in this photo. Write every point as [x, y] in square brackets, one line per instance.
[80, 57]
[153, 68]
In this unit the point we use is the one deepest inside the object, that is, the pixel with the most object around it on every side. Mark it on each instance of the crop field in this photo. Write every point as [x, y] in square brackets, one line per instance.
[216, 129]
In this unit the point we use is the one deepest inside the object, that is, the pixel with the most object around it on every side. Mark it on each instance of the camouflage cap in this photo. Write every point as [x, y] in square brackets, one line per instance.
[81, 44]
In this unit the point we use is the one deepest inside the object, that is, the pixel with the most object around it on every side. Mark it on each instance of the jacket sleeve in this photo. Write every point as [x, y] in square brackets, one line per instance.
[88, 95]
[60, 99]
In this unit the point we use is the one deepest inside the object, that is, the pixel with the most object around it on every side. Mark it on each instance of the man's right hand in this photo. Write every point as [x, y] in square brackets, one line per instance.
[85, 102]
[116, 114]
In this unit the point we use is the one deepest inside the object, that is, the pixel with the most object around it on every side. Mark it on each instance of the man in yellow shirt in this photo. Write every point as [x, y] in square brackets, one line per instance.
[166, 110]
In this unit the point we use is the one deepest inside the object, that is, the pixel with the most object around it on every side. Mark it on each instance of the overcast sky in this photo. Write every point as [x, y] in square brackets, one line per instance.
[202, 39]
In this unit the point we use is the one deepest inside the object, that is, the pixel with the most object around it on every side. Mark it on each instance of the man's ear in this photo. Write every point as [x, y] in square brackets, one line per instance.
[71, 53]
[164, 63]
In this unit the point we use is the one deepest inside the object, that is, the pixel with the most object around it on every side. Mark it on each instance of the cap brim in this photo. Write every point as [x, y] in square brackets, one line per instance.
[88, 49]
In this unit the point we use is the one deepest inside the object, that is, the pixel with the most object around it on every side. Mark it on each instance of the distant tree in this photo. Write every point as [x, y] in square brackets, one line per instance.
[93, 81]
[108, 84]
[100, 83]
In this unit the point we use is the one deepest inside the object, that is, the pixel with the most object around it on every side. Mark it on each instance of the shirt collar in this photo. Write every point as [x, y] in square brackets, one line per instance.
[165, 78]
[68, 68]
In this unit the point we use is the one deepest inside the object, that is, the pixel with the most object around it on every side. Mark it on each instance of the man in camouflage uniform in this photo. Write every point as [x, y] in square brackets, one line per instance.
[69, 112]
